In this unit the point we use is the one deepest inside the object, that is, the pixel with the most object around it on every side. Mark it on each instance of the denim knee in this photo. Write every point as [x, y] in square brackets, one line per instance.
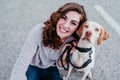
[32, 73]
[54, 74]
[35, 73]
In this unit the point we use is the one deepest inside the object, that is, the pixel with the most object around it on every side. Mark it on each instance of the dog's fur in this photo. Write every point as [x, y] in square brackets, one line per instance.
[90, 32]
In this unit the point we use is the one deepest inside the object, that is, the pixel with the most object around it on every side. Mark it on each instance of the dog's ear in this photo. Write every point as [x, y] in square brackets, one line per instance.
[80, 29]
[104, 35]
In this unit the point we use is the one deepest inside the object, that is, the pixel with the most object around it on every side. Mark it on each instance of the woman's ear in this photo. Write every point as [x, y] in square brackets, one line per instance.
[104, 35]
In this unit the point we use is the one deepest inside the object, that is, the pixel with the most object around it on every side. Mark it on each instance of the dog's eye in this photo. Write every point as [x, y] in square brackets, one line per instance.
[86, 26]
[96, 29]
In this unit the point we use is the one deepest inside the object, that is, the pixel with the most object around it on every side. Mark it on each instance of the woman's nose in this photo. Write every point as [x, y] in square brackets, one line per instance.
[66, 24]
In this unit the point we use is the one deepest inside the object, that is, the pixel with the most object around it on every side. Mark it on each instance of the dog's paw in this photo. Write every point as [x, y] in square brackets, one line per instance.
[89, 76]
[64, 78]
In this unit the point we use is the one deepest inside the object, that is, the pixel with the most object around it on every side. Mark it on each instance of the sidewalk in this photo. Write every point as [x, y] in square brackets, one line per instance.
[17, 17]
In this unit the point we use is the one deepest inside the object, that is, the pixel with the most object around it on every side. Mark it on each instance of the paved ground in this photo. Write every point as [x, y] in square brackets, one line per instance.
[17, 17]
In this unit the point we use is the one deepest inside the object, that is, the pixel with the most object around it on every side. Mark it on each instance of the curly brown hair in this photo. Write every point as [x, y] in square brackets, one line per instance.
[50, 37]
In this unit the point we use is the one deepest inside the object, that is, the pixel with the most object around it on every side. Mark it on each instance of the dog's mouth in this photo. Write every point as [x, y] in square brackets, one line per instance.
[86, 38]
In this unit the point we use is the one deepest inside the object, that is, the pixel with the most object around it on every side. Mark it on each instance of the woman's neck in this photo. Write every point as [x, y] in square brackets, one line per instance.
[63, 39]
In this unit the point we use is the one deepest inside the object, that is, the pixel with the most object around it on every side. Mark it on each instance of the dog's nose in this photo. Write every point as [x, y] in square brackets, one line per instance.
[88, 33]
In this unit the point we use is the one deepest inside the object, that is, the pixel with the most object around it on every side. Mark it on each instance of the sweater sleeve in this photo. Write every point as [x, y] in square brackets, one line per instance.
[26, 55]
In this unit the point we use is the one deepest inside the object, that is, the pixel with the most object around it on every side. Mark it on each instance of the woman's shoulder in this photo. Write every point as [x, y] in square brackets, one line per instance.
[36, 32]
[38, 27]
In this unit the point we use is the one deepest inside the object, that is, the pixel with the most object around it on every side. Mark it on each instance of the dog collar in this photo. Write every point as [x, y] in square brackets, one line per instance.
[82, 49]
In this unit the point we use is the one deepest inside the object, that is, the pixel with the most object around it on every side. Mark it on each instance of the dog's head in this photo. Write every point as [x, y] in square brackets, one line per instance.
[92, 32]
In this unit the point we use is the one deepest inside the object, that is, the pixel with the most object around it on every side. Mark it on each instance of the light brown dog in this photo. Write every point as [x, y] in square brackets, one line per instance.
[90, 32]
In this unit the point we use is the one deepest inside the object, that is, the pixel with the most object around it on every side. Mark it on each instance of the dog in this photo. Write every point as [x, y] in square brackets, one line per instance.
[90, 33]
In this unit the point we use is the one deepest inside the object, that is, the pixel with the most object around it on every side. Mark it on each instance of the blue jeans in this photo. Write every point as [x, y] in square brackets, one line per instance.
[35, 73]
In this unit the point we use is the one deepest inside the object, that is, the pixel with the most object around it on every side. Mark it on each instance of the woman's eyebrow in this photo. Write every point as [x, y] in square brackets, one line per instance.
[72, 20]
[75, 21]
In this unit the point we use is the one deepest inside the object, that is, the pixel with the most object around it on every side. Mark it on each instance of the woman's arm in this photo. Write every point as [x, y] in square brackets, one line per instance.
[26, 55]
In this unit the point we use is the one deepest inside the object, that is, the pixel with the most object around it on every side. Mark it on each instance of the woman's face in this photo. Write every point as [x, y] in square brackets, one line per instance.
[67, 24]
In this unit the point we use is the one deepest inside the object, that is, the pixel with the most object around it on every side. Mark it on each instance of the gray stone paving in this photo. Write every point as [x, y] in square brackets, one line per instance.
[17, 17]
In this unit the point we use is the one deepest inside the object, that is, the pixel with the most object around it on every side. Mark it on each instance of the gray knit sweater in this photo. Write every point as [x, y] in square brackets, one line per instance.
[34, 53]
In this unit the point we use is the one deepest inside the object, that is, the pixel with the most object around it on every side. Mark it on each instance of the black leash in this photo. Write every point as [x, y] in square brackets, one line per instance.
[67, 58]
[68, 49]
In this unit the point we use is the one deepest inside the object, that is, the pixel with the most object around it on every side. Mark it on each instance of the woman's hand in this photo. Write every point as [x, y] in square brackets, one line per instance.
[65, 54]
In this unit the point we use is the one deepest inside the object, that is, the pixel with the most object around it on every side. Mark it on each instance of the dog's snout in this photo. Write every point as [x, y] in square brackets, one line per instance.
[88, 33]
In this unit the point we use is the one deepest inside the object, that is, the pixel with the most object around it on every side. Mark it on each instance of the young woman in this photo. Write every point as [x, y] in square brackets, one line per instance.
[44, 42]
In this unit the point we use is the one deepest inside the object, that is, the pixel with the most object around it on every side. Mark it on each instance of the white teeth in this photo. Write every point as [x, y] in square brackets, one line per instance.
[62, 30]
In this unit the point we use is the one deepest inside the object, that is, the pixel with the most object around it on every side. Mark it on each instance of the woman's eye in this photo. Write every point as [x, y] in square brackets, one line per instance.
[74, 23]
[63, 17]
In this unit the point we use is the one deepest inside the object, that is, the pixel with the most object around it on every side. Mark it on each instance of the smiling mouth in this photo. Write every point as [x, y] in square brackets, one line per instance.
[63, 30]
